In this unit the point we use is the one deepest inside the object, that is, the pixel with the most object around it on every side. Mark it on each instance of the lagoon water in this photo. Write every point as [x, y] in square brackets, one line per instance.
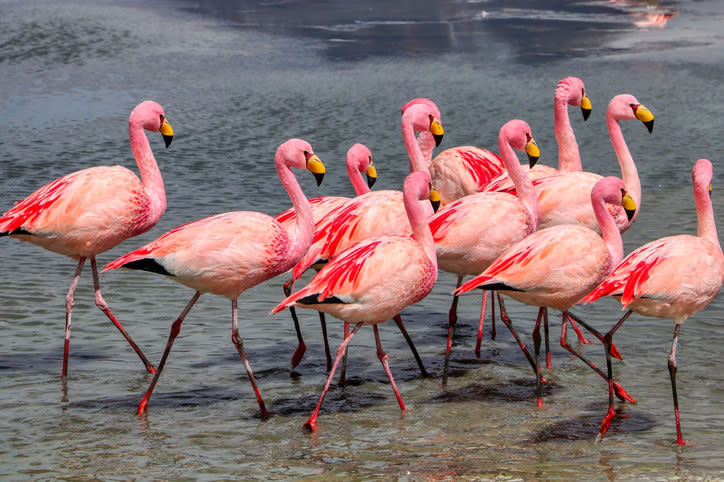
[237, 78]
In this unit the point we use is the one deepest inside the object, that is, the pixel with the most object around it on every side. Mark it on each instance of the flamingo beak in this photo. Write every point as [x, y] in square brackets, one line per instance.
[371, 175]
[645, 116]
[167, 132]
[531, 148]
[434, 199]
[316, 167]
[629, 205]
[437, 131]
[586, 107]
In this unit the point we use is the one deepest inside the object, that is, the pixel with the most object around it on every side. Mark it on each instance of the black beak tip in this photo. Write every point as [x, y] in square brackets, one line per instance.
[318, 178]
[435, 205]
[586, 113]
[371, 181]
[438, 139]
[649, 125]
[167, 140]
[532, 160]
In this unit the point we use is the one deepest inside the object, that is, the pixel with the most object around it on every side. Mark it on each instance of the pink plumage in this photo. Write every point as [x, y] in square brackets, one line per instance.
[555, 267]
[231, 252]
[471, 232]
[672, 277]
[375, 279]
[88, 212]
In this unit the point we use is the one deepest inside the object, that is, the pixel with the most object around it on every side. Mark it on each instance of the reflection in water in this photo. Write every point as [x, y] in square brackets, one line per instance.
[647, 14]
[527, 30]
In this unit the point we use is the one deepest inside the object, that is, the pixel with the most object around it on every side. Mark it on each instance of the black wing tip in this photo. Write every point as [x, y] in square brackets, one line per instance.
[147, 264]
[313, 299]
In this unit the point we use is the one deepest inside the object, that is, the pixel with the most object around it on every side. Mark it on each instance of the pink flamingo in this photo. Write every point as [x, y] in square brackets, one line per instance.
[425, 139]
[375, 279]
[231, 252]
[375, 213]
[672, 277]
[473, 231]
[555, 267]
[569, 91]
[88, 212]
[358, 161]
[565, 198]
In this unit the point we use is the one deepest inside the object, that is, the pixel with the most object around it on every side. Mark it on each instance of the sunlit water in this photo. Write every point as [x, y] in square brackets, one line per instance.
[236, 79]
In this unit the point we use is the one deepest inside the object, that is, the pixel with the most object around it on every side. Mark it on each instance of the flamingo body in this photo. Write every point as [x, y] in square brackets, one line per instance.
[463, 170]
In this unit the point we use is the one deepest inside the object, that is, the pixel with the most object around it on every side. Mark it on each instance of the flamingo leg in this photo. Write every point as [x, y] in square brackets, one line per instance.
[620, 392]
[507, 322]
[323, 323]
[175, 329]
[239, 343]
[452, 319]
[343, 370]
[483, 305]
[492, 317]
[614, 351]
[383, 359]
[311, 423]
[546, 331]
[581, 339]
[403, 330]
[301, 346]
[607, 344]
[672, 374]
[536, 348]
[69, 302]
[103, 306]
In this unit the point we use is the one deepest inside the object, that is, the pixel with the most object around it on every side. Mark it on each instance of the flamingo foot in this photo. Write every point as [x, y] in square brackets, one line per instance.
[298, 354]
[615, 353]
[582, 339]
[539, 403]
[548, 361]
[142, 406]
[311, 424]
[606, 423]
[622, 394]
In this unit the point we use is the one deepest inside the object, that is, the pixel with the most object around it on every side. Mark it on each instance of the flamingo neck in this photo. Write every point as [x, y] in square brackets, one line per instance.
[609, 231]
[355, 177]
[569, 158]
[629, 174]
[417, 158]
[706, 226]
[426, 142]
[302, 233]
[523, 185]
[153, 187]
[419, 216]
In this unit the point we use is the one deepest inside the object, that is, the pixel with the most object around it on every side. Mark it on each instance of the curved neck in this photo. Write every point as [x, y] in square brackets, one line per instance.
[151, 179]
[523, 185]
[419, 217]
[301, 235]
[417, 158]
[609, 231]
[355, 177]
[569, 158]
[629, 174]
[706, 226]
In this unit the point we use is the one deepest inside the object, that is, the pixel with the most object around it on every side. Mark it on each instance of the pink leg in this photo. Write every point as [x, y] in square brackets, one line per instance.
[68, 309]
[672, 375]
[383, 359]
[101, 303]
[483, 305]
[301, 346]
[403, 330]
[452, 319]
[311, 423]
[507, 322]
[239, 343]
[582, 339]
[175, 329]
[620, 392]
[608, 344]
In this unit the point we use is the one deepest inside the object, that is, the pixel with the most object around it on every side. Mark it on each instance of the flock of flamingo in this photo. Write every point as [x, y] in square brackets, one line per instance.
[548, 237]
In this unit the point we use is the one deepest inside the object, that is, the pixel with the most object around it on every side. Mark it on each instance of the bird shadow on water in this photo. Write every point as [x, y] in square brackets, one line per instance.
[514, 390]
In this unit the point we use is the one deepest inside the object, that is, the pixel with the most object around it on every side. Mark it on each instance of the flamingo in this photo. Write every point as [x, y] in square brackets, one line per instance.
[473, 231]
[358, 161]
[228, 253]
[557, 266]
[375, 279]
[375, 213]
[90, 211]
[672, 277]
[565, 198]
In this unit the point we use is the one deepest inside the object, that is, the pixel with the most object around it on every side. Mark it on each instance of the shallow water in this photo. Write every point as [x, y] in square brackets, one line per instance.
[236, 79]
